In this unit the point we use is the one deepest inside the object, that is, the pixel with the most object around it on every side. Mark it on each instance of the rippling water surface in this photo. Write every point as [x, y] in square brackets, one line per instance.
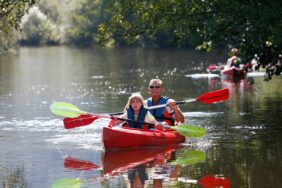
[242, 147]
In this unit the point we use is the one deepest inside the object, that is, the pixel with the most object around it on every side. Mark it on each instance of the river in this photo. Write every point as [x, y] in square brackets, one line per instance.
[242, 146]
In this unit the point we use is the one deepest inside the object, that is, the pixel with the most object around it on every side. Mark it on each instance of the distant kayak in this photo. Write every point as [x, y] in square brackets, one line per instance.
[125, 137]
[199, 76]
[255, 74]
[233, 73]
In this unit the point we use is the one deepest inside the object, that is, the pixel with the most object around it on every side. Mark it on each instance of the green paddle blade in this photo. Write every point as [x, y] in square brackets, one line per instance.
[67, 182]
[189, 131]
[66, 110]
[189, 157]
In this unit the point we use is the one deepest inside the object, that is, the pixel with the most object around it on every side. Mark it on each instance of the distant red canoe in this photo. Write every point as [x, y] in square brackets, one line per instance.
[233, 73]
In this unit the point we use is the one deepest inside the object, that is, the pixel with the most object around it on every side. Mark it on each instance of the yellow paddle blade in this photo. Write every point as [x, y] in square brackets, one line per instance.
[190, 157]
[189, 131]
[66, 110]
[67, 182]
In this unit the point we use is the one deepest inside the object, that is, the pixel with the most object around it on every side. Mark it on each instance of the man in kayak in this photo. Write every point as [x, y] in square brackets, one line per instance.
[135, 109]
[171, 114]
[234, 60]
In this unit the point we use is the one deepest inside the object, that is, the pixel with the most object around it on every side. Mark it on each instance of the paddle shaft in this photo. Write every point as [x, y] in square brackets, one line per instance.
[159, 106]
[206, 98]
[164, 105]
[124, 119]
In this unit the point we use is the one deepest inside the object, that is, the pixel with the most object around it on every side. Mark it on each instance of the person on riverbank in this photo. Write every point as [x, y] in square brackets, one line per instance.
[136, 109]
[170, 114]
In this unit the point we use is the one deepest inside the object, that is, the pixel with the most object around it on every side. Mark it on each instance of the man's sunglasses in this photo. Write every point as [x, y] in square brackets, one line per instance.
[152, 87]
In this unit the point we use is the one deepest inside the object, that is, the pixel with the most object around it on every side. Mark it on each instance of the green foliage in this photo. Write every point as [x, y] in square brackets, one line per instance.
[37, 29]
[10, 16]
[11, 13]
[248, 25]
[85, 21]
[52, 9]
[7, 41]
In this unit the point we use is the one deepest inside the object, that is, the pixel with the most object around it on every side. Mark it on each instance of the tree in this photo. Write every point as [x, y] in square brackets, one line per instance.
[11, 13]
[85, 21]
[252, 26]
[38, 29]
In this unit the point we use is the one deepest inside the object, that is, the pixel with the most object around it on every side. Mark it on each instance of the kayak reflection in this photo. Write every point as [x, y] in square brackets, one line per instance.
[146, 167]
[150, 167]
[115, 162]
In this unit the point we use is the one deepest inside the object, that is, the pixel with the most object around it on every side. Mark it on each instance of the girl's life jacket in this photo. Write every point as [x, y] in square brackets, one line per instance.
[141, 117]
[161, 114]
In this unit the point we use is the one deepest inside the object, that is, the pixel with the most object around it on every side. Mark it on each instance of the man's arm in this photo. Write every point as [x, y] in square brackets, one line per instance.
[179, 117]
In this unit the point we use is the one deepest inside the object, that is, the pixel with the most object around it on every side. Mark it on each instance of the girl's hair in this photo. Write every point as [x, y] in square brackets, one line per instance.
[132, 97]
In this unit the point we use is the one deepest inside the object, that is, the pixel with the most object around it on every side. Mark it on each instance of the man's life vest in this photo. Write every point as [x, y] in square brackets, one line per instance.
[161, 114]
[235, 62]
[141, 117]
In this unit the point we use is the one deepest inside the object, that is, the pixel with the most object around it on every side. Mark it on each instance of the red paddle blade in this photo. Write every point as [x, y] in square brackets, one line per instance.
[212, 181]
[214, 96]
[212, 67]
[79, 121]
[77, 164]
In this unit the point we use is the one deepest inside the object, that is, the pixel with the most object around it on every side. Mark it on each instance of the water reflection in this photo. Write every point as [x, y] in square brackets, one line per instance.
[143, 167]
[243, 139]
[13, 178]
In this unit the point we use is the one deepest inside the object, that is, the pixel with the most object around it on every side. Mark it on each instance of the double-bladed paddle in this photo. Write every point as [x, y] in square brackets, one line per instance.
[206, 98]
[74, 117]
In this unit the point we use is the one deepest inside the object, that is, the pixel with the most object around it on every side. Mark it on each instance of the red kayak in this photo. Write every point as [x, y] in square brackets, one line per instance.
[233, 73]
[125, 137]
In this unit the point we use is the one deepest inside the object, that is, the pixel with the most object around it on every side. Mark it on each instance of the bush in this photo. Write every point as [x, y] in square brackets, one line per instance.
[37, 29]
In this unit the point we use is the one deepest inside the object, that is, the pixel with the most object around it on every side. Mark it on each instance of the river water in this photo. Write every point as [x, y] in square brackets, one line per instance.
[242, 147]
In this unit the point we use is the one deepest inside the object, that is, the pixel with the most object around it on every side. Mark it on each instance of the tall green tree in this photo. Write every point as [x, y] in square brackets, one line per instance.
[11, 13]
[253, 26]
[85, 20]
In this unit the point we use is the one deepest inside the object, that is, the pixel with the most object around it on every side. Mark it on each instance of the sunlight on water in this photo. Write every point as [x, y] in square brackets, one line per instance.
[33, 125]
[198, 76]
[199, 143]
[88, 137]
[98, 77]
[86, 140]
[201, 114]
[255, 74]
[204, 75]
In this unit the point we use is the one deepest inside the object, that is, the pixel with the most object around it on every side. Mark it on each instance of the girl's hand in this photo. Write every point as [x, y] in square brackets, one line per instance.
[162, 125]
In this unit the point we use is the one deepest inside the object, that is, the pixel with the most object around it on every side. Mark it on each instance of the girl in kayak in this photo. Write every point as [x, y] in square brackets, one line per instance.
[135, 109]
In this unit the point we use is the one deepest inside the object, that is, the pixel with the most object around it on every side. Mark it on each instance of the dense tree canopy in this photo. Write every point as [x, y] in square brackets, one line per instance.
[85, 21]
[252, 26]
[11, 13]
